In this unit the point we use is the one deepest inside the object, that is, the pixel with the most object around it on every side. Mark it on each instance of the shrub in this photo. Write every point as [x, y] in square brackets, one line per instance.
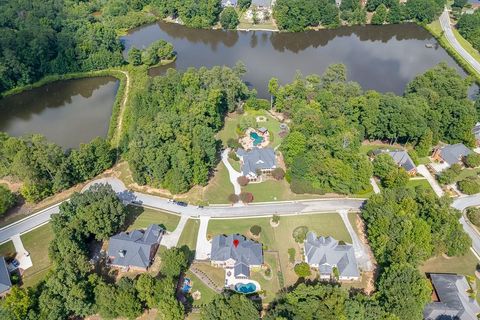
[472, 160]
[233, 155]
[229, 18]
[233, 198]
[7, 199]
[275, 219]
[255, 230]
[473, 215]
[242, 181]
[302, 270]
[300, 234]
[470, 185]
[291, 255]
[233, 143]
[246, 197]
[450, 175]
[278, 173]
[268, 272]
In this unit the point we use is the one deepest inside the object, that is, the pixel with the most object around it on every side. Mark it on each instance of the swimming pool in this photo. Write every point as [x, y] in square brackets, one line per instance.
[256, 138]
[186, 285]
[245, 287]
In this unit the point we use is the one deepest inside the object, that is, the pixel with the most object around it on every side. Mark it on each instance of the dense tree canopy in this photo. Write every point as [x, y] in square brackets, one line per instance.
[7, 199]
[229, 18]
[194, 13]
[469, 27]
[235, 307]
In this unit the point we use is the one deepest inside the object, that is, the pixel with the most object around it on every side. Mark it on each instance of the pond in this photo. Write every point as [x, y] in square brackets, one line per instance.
[384, 58]
[67, 112]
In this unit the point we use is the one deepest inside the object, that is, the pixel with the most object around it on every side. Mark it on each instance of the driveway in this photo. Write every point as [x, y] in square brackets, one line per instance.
[170, 239]
[204, 247]
[421, 169]
[22, 254]
[361, 252]
[232, 173]
[376, 188]
[447, 29]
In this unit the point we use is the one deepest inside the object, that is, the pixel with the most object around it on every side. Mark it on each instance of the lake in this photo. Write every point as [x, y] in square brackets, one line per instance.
[384, 58]
[67, 112]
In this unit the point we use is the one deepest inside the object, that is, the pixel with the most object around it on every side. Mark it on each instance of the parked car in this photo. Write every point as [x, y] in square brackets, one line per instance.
[15, 263]
[181, 203]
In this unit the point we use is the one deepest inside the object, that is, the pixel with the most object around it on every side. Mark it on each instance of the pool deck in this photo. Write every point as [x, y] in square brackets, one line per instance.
[231, 281]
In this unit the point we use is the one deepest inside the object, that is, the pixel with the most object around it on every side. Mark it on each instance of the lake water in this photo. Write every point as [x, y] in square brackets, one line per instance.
[384, 58]
[67, 112]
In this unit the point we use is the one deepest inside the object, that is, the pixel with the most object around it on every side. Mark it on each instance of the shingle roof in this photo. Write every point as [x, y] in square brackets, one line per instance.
[257, 159]
[454, 302]
[476, 131]
[232, 3]
[402, 159]
[262, 3]
[246, 254]
[326, 252]
[5, 283]
[454, 153]
[133, 249]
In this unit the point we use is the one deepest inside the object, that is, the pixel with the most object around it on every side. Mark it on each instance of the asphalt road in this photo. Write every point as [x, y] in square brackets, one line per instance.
[261, 209]
[447, 29]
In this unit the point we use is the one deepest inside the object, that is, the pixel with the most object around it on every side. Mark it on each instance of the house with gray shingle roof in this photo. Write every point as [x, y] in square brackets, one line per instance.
[402, 159]
[451, 154]
[229, 3]
[257, 160]
[5, 283]
[135, 249]
[236, 254]
[451, 299]
[327, 254]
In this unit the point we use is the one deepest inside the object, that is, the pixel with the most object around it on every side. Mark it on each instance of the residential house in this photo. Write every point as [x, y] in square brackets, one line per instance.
[229, 3]
[475, 4]
[135, 250]
[476, 133]
[331, 257]
[262, 4]
[5, 283]
[451, 154]
[257, 161]
[451, 299]
[237, 255]
[402, 159]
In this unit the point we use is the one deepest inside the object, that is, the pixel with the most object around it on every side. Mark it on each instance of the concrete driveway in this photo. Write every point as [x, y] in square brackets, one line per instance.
[421, 169]
[204, 246]
[232, 173]
[170, 239]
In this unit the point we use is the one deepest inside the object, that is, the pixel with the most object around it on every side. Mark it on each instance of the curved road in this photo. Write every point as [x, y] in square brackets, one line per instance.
[447, 29]
[260, 209]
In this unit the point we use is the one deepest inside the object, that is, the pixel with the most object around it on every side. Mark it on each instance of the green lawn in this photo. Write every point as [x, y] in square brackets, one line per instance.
[464, 265]
[235, 164]
[36, 242]
[272, 190]
[467, 173]
[197, 285]
[189, 234]
[142, 217]
[271, 286]
[7, 250]
[413, 184]
[219, 187]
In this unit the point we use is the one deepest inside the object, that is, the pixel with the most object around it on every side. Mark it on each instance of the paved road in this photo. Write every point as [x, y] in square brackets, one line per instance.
[447, 29]
[261, 209]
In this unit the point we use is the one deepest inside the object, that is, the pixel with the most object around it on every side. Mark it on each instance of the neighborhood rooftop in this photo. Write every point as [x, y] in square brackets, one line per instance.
[5, 283]
[325, 253]
[403, 160]
[134, 248]
[454, 302]
[247, 253]
[453, 153]
[256, 159]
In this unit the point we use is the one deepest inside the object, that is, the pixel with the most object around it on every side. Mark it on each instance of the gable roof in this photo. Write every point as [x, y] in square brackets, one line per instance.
[476, 131]
[134, 248]
[326, 252]
[229, 3]
[262, 3]
[453, 153]
[257, 158]
[402, 159]
[5, 283]
[454, 302]
[246, 254]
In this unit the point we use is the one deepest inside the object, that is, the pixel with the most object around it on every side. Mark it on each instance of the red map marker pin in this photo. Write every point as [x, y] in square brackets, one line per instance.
[235, 243]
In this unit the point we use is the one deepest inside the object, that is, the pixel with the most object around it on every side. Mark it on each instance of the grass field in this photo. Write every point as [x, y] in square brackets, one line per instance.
[36, 242]
[464, 265]
[272, 190]
[413, 184]
[189, 234]
[219, 187]
[7, 250]
[280, 239]
[270, 286]
[142, 217]
[217, 275]
[197, 285]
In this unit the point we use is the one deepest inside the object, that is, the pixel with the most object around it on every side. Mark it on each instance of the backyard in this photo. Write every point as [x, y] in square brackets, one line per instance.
[206, 294]
[141, 218]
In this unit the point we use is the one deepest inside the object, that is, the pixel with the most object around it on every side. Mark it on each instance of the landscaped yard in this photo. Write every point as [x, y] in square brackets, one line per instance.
[270, 284]
[217, 275]
[207, 294]
[414, 183]
[7, 250]
[280, 239]
[36, 242]
[273, 190]
[219, 187]
[142, 217]
[189, 234]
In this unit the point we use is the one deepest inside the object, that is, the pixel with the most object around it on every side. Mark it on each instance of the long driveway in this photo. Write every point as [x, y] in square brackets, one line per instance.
[447, 29]
[260, 209]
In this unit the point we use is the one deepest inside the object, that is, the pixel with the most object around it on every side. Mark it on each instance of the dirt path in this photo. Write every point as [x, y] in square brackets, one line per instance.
[118, 129]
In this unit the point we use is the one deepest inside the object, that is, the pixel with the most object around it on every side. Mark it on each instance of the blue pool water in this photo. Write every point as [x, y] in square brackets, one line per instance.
[186, 285]
[245, 287]
[256, 138]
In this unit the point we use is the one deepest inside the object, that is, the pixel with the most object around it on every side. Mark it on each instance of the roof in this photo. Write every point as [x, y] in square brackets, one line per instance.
[326, 252]
[476, 131]
[262, 3]
[134, 248]
[5, 283]
[257, 158]
[262, 130]
[402, 159]
[454, 302]
[453, 153]
[229, 3]
[247, 253]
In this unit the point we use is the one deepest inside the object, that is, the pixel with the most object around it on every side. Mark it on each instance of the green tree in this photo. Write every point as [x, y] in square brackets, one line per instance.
[127, 303]
[380, 15]
[302, 270]
[244, 4]
[471, 161]
[16, 304]
[7, 199]
[235, 307]
[229, 18]
[473, 215]
[135, 56]
[469, 185]
[174, 261]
